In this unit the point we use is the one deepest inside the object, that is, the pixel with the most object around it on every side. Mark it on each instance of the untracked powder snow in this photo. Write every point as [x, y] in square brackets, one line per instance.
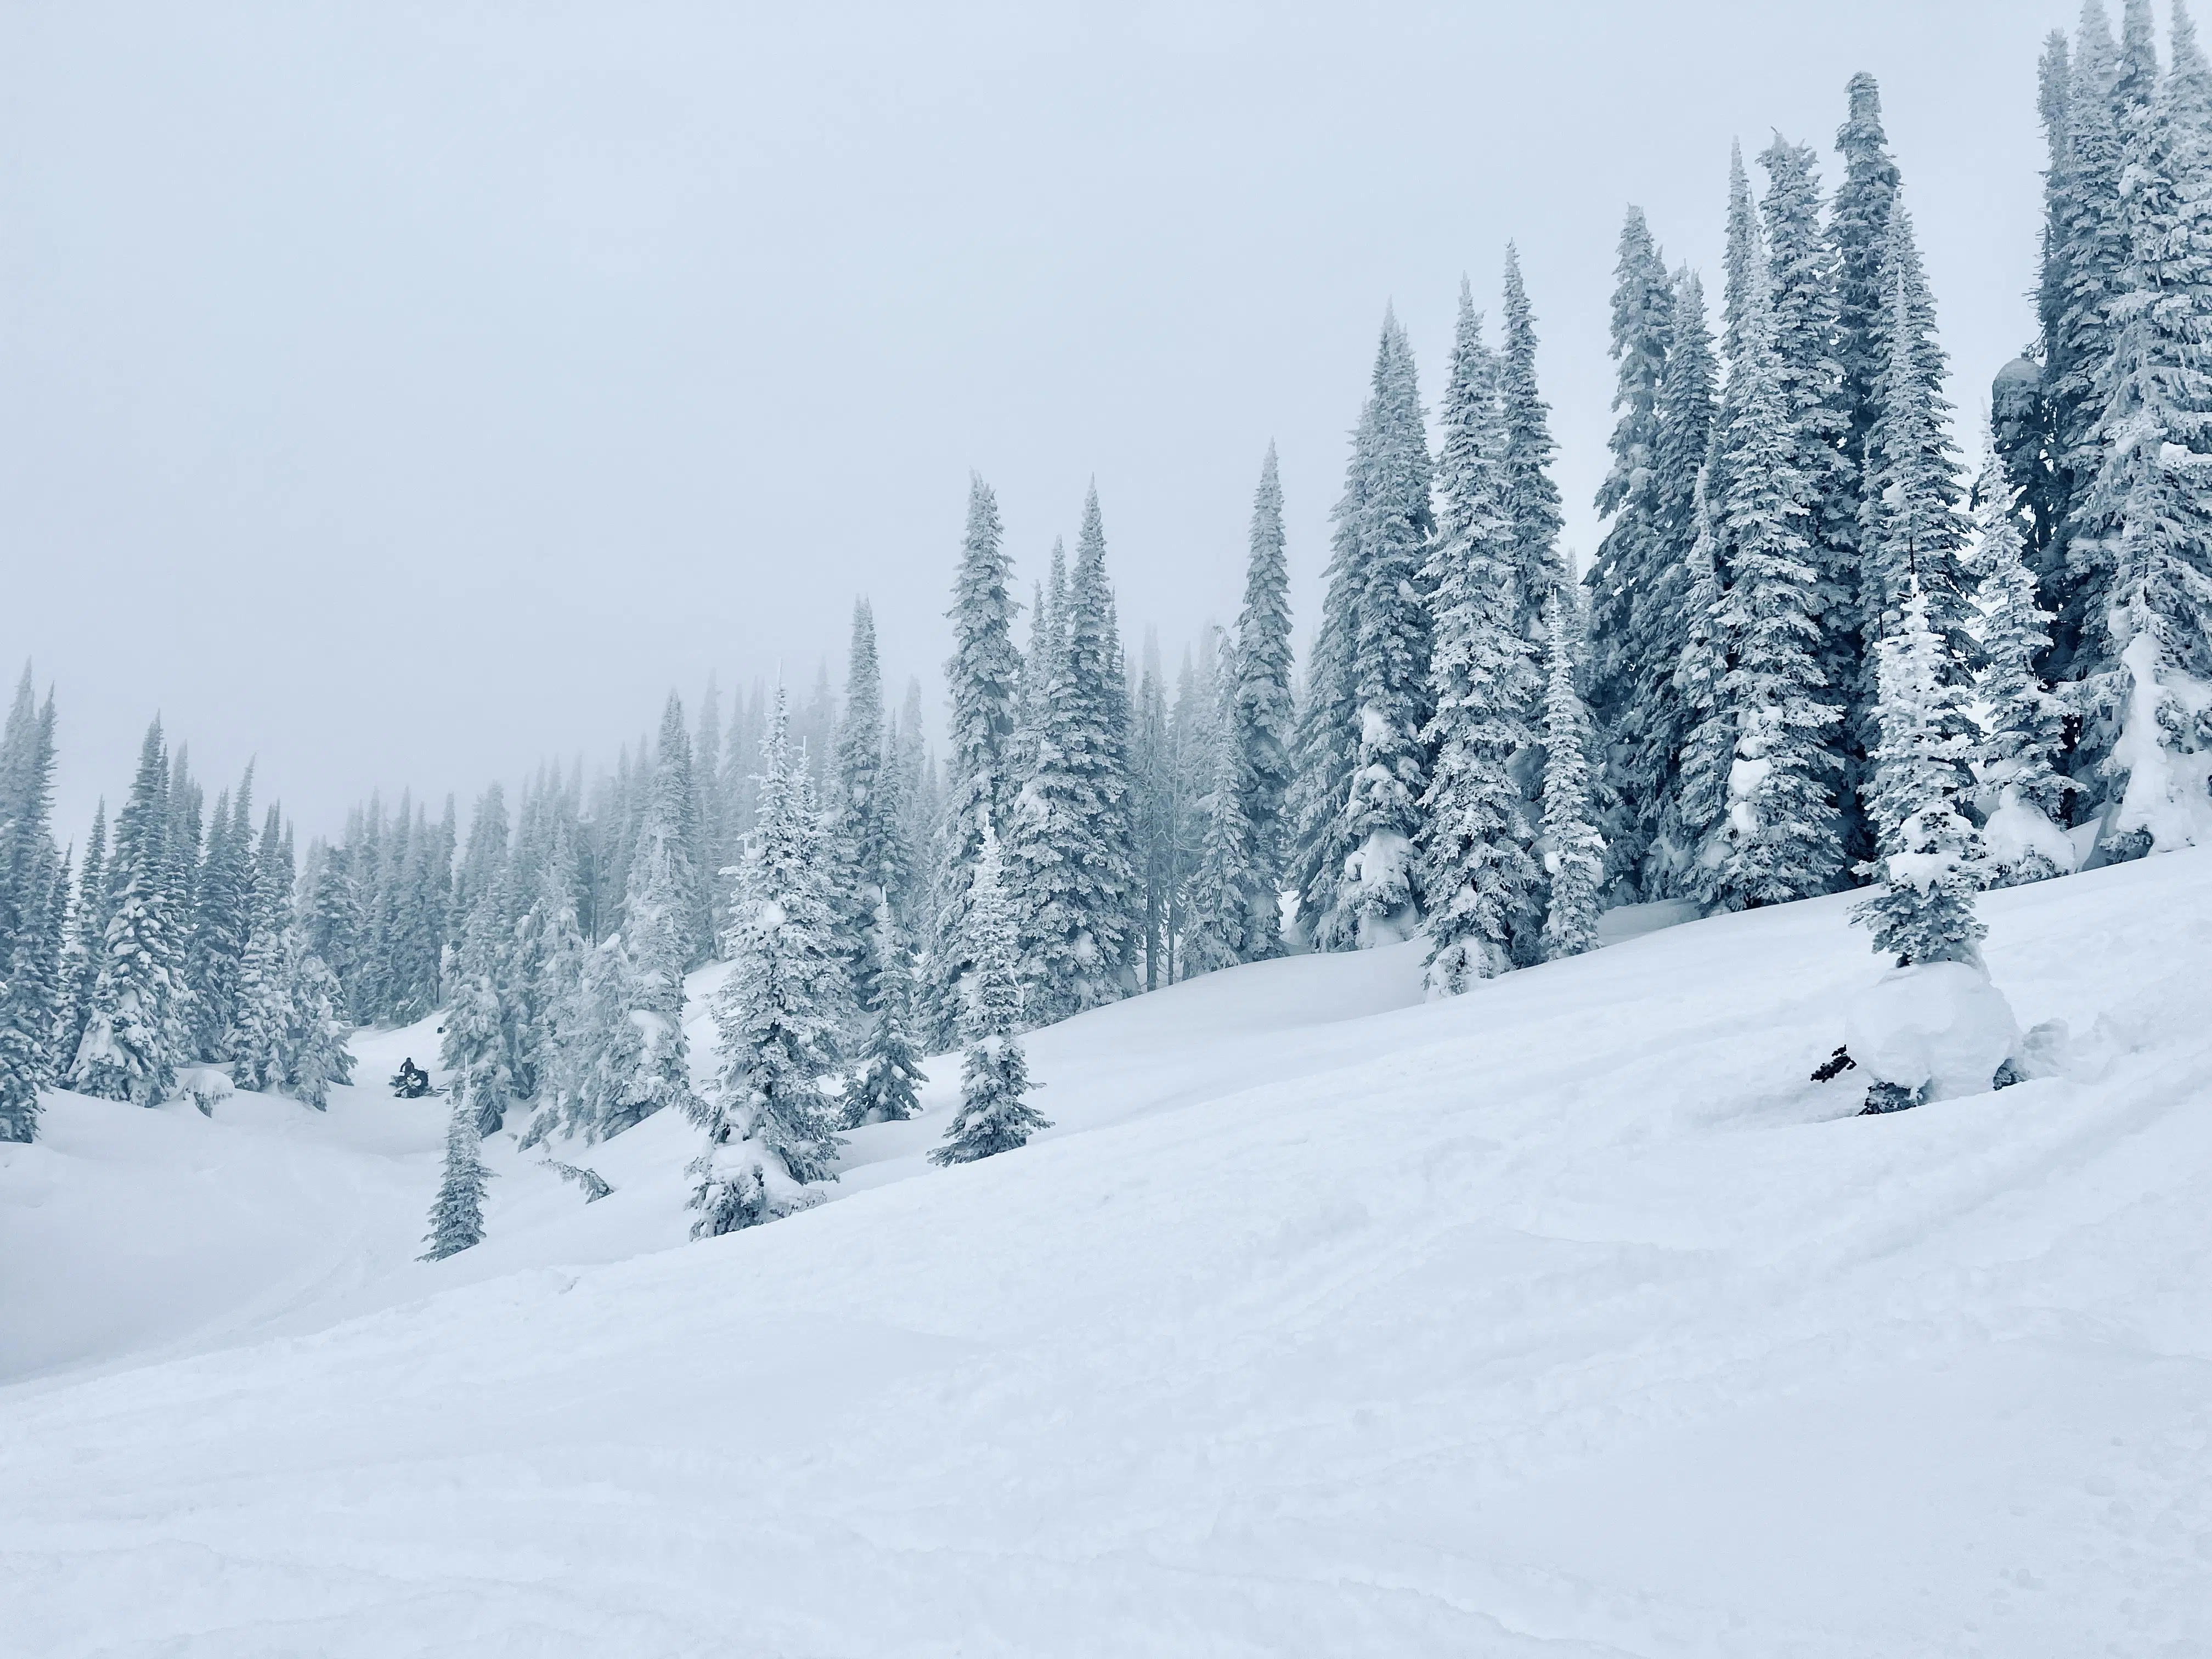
[1564, 1318]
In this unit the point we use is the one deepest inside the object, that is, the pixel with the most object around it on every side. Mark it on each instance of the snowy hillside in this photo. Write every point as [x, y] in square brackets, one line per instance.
[1565, 1318]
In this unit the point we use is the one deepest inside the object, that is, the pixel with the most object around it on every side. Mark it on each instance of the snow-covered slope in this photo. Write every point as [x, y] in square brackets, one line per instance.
[1567, 1318]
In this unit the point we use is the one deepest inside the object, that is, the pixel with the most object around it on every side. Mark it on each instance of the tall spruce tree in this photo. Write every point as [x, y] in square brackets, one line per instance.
[475, 1050]
[225, 902]
[2141, 556]
[1574, 852]
[1698, 797]
[2086, 254]
[1478, 870]
[1263, 718]
[1384, 523]
[862, 845]
[1217, 900]
[2021, 408]
[660, 909]
[1155, 779]
[707, 783]
[2188, 89]
[1910, 529]
[1531, 499]
[1859, 221]
[549, 962]
[982, 682]
[1073, 880]
[133, 1038]
[917, 818]
[674, 800]
[1780, 838]
[316, 1056]
[1635, 553]
[1801, 294]
[260, 1034]
[82, 956]
[29, 865]
[30, 968]
[1646, 745]
[771, 1125]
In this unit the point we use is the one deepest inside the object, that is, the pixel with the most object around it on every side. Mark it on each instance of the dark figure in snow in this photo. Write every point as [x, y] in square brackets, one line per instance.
[411, 1081]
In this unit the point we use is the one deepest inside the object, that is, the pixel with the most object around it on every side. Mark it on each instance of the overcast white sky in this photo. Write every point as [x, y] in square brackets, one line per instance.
[406, 392]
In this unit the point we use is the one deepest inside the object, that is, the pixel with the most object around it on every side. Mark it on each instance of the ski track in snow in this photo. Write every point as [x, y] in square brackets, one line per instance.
[1564, 1319]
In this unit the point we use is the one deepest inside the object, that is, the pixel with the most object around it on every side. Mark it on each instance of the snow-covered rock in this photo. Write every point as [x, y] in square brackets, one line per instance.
[1937, 1027]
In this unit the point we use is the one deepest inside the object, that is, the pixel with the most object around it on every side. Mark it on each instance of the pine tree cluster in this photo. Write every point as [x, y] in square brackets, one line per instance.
[1805, 653]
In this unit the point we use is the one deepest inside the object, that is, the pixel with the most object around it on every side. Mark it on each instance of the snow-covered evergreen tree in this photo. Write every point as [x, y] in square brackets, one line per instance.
[770, 1124]
[37, 961]
[474, 1053]
[1654, 721]
[222, 922]
[317, 1053]
[1371, 674]
[183, 839]
[591, 1087]
[133, 1040]
[260, 1037]
[713, 811]
[919, 817]
[1636, 551]
[2021, 409]
[457, 1213]
[1071, 878]
[1930, 850]
[982, 682]
[548, 961]
[888, 1069]
[1326, 742]
[1780, 837]
[1910, 529]
[1858, 223]
[83, 953]
[2140, 557]
[332, 920]
[261, 1027]
[1478, 870]
[1574, 852]
[2024, 728]
[2188, 89]
[660, 908]
[2086, 255]
[1801, 266]
[1531, 499]
[1217, 903]
[994, 1116]
[1698, 795]
[1155, 779]
[675, 801]
[30, 968]
[1262, 724]
[862, 843]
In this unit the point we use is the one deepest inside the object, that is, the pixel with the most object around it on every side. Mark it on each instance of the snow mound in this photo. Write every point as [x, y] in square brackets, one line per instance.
[1564, 1319]
[1941, 1027]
